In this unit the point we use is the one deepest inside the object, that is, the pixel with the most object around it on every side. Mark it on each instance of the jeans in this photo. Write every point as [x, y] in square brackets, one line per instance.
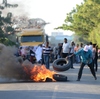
[46, 60]
[71, 59]
[58, 56]
[51, 57]
[77, 58]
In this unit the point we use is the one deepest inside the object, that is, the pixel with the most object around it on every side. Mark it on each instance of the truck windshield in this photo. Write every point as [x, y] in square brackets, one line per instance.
[35, 38]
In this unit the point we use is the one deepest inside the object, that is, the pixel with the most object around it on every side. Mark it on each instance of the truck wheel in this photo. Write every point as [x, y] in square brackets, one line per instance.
[61, 64]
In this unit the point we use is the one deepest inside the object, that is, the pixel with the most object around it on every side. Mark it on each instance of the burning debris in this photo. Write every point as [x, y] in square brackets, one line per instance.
[13, 67]
[38, 72]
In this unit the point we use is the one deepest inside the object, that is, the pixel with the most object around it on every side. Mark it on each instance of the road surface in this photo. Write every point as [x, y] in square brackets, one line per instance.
[87, 88]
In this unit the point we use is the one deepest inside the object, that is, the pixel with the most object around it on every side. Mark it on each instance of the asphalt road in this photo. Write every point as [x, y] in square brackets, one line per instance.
[87, 88]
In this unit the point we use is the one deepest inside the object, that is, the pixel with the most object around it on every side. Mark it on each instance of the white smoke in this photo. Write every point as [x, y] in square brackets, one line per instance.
[17, 11]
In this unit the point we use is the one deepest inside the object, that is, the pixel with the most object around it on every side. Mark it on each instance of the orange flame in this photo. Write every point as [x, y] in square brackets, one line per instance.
[39, 73]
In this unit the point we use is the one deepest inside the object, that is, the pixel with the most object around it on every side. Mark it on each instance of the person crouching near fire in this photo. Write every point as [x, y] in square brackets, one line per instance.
[86, 59]
[32, 55]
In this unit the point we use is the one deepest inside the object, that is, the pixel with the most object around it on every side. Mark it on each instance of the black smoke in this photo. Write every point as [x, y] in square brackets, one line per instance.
[12, 67]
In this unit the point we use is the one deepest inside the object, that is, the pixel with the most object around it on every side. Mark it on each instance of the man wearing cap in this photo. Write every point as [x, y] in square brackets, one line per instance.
[86, 59]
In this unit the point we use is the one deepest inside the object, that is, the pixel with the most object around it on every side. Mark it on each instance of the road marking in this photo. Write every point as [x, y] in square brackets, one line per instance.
[28, 88]
[55, 92]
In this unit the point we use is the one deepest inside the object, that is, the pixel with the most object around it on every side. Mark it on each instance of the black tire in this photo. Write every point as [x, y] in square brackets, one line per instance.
[59, 77]
[61, 64]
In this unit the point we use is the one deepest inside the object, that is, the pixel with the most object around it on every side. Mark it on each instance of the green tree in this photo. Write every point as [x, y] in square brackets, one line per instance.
[5, 24]
[95, 35]
[83, 19]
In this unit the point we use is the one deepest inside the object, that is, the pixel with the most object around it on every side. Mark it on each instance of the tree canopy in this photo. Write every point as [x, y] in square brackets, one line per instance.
[6, 24]
[84, 21]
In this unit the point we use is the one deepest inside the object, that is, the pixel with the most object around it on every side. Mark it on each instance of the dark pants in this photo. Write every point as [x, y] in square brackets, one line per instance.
[42, 60]
[91, 69]
[64, 55]
[96, 64]
[32, 59]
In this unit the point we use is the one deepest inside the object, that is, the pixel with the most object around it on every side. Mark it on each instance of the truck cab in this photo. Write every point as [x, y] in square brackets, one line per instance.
[32, 37]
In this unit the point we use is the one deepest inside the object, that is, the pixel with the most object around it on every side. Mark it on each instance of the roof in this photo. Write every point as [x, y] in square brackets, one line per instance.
[31, 43]
[27, 32]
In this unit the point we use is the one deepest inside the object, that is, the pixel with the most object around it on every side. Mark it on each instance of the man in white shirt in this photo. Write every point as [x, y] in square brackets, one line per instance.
[90, 46]
[72, 46]
[38, 53]
[65, 48]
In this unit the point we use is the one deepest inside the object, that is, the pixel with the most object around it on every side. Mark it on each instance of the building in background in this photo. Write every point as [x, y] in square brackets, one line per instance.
[56, 33]
[58, 37]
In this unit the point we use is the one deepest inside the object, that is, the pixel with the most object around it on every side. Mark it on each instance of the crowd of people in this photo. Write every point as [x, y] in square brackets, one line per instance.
[86, 54]
[36, 54]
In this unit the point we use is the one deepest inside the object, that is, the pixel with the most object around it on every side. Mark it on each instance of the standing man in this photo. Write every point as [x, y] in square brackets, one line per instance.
[90, 46]
[38, 54]
[46, 54]
[86, 56]
[72, 52]
[59, 50]
[77, 57]
[65, 48]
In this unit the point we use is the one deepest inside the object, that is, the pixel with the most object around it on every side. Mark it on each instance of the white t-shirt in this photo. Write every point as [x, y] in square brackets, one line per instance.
[72, 49]
[90, 47]
[38, 53]
[66, 47]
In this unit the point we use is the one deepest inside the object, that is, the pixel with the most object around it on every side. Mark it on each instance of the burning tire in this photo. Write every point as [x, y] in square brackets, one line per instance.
[59, 77]
[61, 64]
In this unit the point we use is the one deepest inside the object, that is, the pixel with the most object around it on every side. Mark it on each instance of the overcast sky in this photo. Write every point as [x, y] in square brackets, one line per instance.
[53, 11]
